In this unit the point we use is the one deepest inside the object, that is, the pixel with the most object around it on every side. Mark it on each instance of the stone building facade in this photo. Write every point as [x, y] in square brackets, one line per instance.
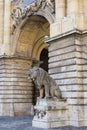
[58, 27]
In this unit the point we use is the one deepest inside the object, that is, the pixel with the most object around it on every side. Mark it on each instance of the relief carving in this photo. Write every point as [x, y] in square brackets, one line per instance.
[19, 13]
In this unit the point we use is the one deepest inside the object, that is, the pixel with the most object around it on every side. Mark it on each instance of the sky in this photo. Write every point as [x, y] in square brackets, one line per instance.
[26, 2]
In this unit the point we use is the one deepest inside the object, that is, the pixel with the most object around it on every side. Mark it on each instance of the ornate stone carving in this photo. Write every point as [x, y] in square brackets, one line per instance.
[51, 6]
[17, 15]
[46, 85]
[20, 13]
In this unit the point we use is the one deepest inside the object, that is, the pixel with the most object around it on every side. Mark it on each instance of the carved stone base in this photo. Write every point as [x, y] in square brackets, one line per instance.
[50, 113]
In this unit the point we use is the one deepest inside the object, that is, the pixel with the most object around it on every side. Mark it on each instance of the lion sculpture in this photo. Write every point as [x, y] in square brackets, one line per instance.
[46, 84]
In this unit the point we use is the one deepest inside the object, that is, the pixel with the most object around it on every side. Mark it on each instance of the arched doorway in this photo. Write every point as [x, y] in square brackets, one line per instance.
[44, 59]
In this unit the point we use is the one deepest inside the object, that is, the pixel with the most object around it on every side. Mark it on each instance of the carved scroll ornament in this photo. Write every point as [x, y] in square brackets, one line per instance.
[20, 13]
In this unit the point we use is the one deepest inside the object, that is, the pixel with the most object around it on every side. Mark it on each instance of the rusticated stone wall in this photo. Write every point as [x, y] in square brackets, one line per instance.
[67, 65]
[84, 75]
[16, 91]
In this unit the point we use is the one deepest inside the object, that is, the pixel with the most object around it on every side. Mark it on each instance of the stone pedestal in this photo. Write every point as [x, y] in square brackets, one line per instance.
[50, 113]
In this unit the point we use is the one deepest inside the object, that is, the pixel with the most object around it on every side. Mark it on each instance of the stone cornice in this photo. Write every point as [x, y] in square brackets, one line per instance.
[14, 57]
[74, 31]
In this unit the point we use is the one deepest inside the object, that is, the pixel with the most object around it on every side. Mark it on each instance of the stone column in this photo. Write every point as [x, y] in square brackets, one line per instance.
[60, 12]
[81, 17]
[72, 7]
[60, 9]
[1, 21]
[85, 12]
[7, 25]
[85, 8]
[75, 10]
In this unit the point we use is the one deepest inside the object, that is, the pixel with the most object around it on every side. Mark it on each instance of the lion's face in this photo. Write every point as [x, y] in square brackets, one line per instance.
[32, 74]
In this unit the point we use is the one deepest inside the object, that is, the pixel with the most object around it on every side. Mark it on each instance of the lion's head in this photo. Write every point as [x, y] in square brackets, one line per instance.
[32, 73]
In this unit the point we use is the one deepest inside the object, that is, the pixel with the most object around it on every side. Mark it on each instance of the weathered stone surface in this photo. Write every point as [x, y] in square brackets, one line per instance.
[50, 113]
[62, 57]
[62, 51]
[63, 63]
[61, 44]
[15, 88]
[65, 75]
[66, 25]
[70, 75]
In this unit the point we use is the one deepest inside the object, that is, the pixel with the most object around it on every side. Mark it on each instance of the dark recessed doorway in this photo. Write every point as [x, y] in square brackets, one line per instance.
[44, 59]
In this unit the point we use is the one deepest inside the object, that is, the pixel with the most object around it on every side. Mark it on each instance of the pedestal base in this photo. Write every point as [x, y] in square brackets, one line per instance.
[50, 113]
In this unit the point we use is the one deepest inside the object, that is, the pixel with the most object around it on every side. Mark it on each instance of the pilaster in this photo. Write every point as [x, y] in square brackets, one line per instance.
[7, 27]
[1, 21]
[60, 9]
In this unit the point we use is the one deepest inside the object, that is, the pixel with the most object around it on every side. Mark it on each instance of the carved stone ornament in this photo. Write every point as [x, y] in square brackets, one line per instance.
[20, 13]
[17, 15]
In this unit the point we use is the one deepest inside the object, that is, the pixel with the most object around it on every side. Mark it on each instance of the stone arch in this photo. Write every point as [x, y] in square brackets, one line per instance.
[32, 36]
[40, 13]
[38, 47]
[39, 43]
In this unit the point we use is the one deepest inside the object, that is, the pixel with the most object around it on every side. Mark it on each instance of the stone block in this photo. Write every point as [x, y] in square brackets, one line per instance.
[63, 63]
[67, 24]
[61, 43]
[85, 114]
[64, 75]
[68, 81]
[62, 51]
[22, 109]
[62, 57]
[50, 113]
[68, 88]
[74, 101]
[55, 29]
[63, 69]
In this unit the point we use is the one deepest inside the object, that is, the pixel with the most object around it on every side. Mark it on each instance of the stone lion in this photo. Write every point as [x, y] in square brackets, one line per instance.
[46, 84]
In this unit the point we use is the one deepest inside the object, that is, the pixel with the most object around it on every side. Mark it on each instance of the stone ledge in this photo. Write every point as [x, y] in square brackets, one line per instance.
[73, 31]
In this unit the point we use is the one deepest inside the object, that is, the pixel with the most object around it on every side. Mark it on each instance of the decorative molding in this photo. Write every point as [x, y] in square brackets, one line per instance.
[73, 31]
[19, 13]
